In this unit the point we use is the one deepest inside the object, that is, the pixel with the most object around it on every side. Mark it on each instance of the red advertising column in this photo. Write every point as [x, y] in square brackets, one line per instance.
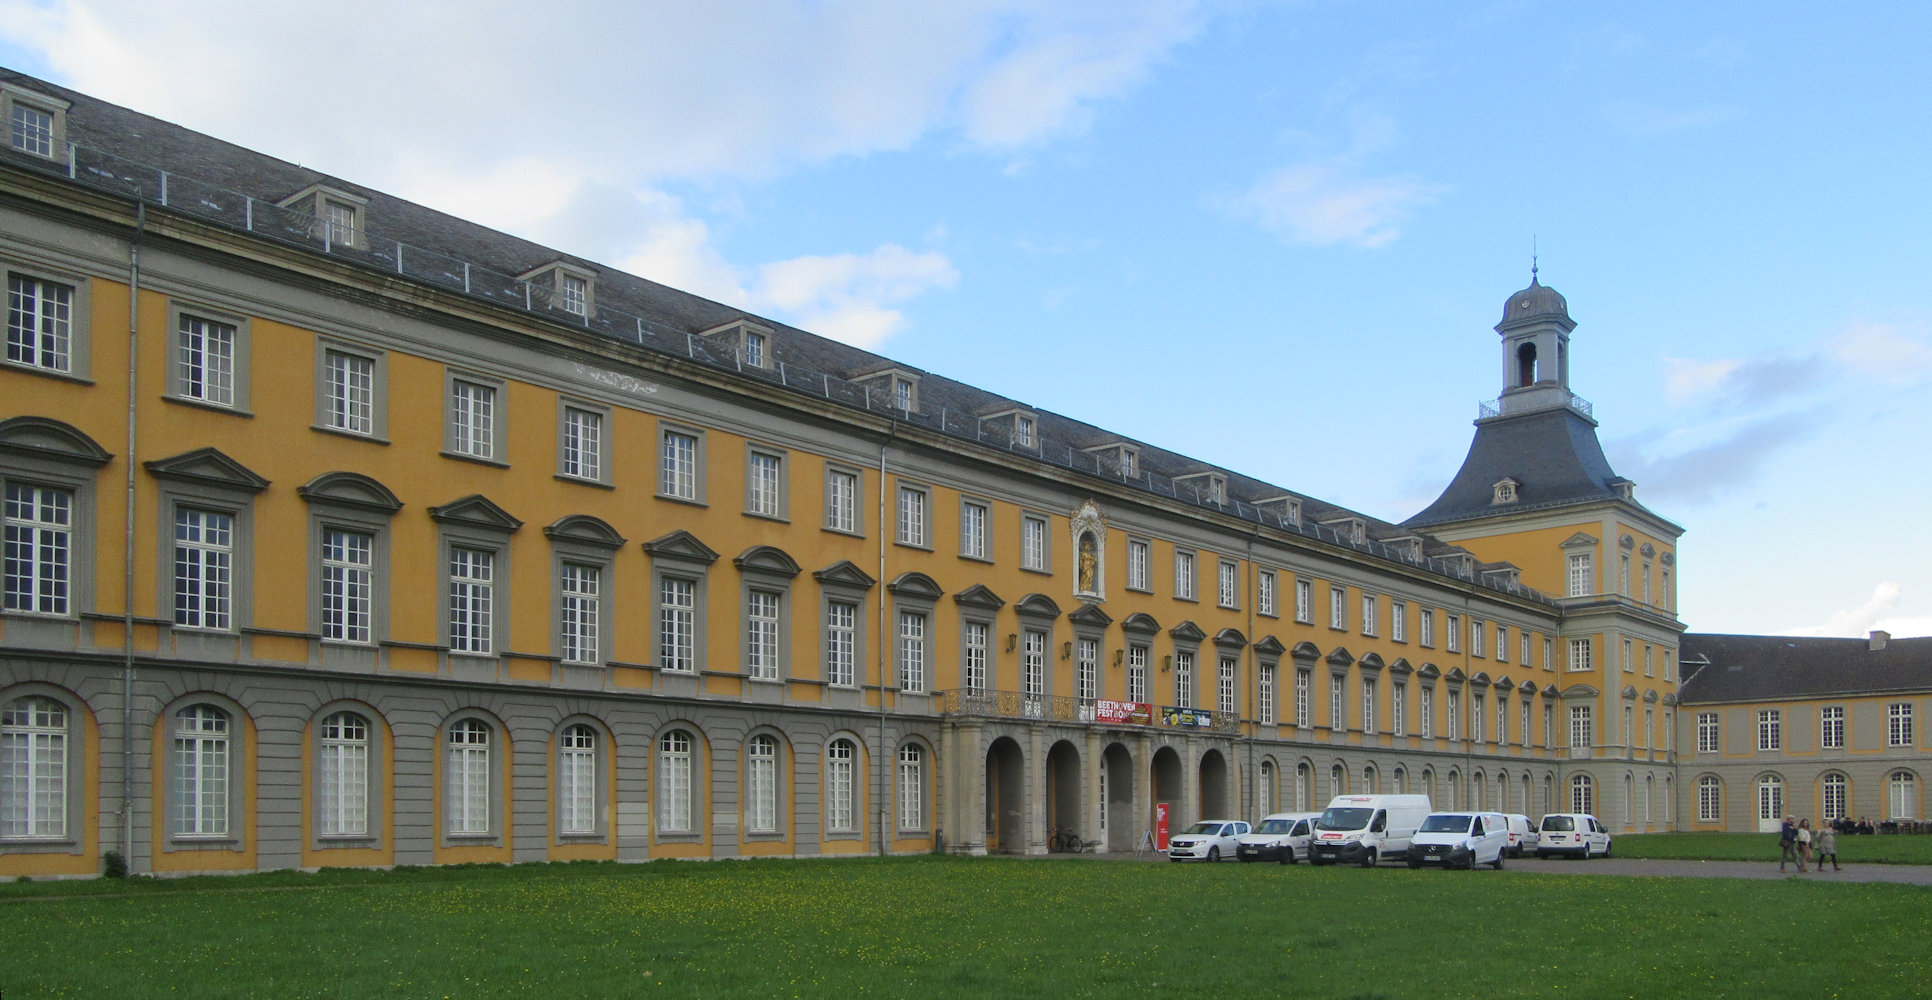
[1160, 826]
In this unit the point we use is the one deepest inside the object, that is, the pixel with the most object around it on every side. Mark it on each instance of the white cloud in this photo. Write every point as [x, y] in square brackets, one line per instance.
[1686, 379]
[1646, 121]
[849, 297]
[1320, 205]
[1859, 620]
[1881, 349]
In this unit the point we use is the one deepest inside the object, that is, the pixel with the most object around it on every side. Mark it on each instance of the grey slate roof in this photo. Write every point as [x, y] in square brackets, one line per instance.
[1552, 454]
[128, 150]
[1774, 667]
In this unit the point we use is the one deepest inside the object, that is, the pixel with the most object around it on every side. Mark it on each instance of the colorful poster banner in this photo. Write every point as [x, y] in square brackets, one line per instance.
[1138, 713]
[1187, 718]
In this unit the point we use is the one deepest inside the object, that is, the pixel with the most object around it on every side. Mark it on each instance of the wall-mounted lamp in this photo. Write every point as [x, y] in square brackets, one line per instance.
[1066, 651]
[1118, 653]
[1012, 638]
[1167, 663]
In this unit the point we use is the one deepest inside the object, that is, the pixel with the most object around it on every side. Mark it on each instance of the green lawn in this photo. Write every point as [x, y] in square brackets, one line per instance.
[939, 927]
[1905, 849]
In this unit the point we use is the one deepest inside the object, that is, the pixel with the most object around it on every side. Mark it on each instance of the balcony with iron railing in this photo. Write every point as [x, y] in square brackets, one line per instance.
[1084, 711]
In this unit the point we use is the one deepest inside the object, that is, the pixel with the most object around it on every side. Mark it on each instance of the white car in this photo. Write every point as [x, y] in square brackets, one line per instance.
[1208, 840]
[1282, 837]
[1523, 835]
[1576, 834]
[1460, 840]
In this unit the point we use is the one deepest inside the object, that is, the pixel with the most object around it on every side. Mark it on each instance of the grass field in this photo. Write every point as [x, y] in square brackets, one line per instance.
[1866, 850]
[938, 927]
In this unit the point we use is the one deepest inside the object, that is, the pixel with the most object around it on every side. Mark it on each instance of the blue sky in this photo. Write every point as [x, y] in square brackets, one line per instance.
[1271, 235]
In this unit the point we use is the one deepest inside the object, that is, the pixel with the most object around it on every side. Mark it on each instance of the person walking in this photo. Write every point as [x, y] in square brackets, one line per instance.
[1827, 846]
[1787, 842]
[1804, 844]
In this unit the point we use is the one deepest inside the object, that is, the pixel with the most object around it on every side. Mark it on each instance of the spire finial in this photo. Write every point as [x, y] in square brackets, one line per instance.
[1532, 258]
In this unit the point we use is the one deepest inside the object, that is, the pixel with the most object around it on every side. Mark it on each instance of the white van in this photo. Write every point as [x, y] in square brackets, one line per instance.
[1367, 828]
[1460, 840]
[1281, 837]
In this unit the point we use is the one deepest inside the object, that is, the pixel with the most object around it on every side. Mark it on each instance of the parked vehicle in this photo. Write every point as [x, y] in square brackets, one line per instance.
[1366, 828]
[1576, 834]
[1460, 840]
[1208, 840]
[1522, 835]
[1281, 837]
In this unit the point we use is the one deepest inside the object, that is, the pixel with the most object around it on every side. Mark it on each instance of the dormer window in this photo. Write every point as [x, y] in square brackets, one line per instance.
[901, 387]
[341, 218]
[1211, 487]
[1130, 463]
[1286, 508]
[1126, 458]
[1505, 492]
[1022, 428]
[1352, 528]
[1025, 431]
[564, 287]
[36, 123]
[750, 341]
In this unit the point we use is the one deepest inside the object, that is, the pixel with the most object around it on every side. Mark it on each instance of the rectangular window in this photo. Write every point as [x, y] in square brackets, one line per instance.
[1426, 628]
[1265, 695]
[31, 130]
[1183, 680]
[1225, 690]
[842, 500]
[1304, 679]
[1549, 653]
[1226, 580]
[1580, 728]
[1033, 669]
[1644, 583]
[33, 769]
[39, 549]
[912, 516]
[573, 294]
[1502, 720]
[765, 484]
[581, 613]
[472, 604]
[1399, 621]
[1710, 802]
[677, 640]
[577, 782]
[1033, 543]
[1476, 630]
[348, 573]
[1453, 633]
[1525, 648]
[755, 349]
[1650, 664]
[1707, 732]
[1139, 565]
[841, 643]
[581, 455]
[40, 322]
[1581, 584]
[205, 360]
[1579, 654]
[349, 387]
[1023, 431]
[1770, 735]
[1369, 608]
[1623, 574]
[1427, 717]
[840, 765]
[1502, 644]
[1523, 724]
[1650, 727]
[1368, 705]
[1337, 607]
[342, 762]
[1184, 575]
[1137, 674]
[1338, 702]
[1549, 726]
[974, 655]
[1452, 723]
[912, 651]
[1476, 710]
[1087, 670]
[1264, 593]
[1629, 658]
[204, 555]
[339, 223]
[472, 419]
[761, 634]
[1399, 708]
[973, 517]
[1898, 724]
[1304, 602]
[678, 468]
[200, 773]
[1831, 728]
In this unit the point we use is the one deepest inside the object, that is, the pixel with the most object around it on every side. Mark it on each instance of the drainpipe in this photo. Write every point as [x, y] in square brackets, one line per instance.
[883, 629]
[127, 536]
[1254, 689]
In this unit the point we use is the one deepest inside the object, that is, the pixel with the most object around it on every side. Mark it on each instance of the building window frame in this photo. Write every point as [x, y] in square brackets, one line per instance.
[767, 482]
[1140, 565]
[1186, 571]
[913, 523]
[678, 753]
[975, 528]
[1227, 584]
[844, 488]
[339, 404]
[1770, 730]
[205, 776]
[25, 132]
[681, 464]
[1304, 602]
[58, 342]
[1898, 724]
[42, 740]
[1266, 585]
[580, 754]
[583, 441]
[475, 418]
[350, 746]
[196, 360]
[1036, 543]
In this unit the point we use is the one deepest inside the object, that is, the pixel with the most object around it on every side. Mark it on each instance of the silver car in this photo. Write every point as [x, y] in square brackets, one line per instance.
[1208, 840]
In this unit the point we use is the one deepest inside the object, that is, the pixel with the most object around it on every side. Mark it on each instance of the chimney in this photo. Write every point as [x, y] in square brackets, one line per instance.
[1879, 639]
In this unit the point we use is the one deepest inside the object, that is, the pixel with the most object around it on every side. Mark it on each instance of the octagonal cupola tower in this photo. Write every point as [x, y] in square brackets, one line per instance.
[1536, 350]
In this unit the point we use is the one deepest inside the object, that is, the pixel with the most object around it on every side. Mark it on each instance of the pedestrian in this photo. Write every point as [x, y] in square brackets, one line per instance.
[1804, 844]
[1787, 842]
[1828, 845]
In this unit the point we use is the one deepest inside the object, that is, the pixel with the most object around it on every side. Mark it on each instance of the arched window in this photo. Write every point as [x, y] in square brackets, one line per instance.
[1399, 779]
[1455, 790]
[1480, 798]
[912, 787]
[1650, 796]
[674, 782]
[33, 769]
[342, 776]
[1369, 780]
[1902, 795]
[1710, 799]
[1770, 799]
[840, 762]
[1303, 792]
[1629, 794]
[1429, 783]
[200, 772]
[1265, 789]
[1833, 794]
[761, 784]
[1337, 781]
[577, 780]
[466, 778]
[1583, 794]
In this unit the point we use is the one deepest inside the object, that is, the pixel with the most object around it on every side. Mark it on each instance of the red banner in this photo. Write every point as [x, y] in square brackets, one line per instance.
[1137, 713]
[1160, 826]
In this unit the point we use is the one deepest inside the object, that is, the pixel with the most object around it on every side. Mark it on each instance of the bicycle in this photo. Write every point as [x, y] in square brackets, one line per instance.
[1066, 841]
